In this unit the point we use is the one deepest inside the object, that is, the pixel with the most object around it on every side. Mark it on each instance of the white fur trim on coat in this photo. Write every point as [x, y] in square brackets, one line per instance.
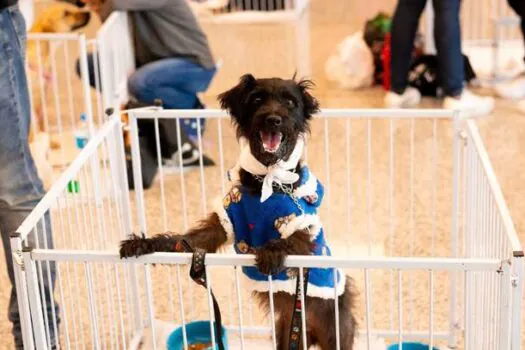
[226, 223]
[308, 188]
[289, 286]
[310, 221]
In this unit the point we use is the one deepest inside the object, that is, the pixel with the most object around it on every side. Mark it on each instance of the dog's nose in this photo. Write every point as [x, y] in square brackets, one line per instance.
[273, 120]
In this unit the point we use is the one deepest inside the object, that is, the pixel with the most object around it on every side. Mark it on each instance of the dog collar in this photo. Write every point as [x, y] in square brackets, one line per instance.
[280, 174]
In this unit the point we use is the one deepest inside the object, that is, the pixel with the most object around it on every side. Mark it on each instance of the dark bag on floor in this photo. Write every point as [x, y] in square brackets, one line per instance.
[375, 33]
[148, 163]
[168, 144]
[424, 75]
[168, 137]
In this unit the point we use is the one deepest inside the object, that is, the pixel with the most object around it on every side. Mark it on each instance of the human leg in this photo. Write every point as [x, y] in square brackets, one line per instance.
[20, 186]
[91, 70]
[519, 8]
[176, 82]
[403, 32]
[447, 35]
[448, 45]
[11, 217]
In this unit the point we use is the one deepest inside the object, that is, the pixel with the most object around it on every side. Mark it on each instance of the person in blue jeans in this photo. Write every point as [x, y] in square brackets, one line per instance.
[20, 185]
[448, 45]
[176, 81]
[173, 57]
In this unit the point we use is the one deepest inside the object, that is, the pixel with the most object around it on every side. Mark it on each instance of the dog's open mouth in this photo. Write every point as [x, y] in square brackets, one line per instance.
[271, 140]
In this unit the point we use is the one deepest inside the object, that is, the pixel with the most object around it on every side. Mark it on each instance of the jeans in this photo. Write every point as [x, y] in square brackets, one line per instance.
[519, 7]
[176, 81]
[446, 35]
[20, 186]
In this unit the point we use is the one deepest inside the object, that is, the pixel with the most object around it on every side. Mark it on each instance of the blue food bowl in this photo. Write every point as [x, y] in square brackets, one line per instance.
[410, 346]
[196, 332]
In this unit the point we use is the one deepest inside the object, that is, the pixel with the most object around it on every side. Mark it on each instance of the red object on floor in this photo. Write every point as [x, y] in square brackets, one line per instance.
[385, 55]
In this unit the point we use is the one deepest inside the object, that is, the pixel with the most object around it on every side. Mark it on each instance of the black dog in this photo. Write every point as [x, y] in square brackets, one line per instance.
[271, 114]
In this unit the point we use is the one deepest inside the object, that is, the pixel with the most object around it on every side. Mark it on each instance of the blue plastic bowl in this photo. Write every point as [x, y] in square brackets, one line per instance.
[196, 332]
[410, 346]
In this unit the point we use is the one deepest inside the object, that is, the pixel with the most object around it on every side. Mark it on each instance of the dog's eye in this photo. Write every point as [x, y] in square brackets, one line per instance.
[257, 100]
[290, 103]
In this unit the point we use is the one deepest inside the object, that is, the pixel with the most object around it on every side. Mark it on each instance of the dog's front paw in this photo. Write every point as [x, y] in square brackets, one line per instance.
[134, 246]
[270, 260]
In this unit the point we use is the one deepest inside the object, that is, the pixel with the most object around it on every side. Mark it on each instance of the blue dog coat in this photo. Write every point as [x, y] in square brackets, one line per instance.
[251, 224]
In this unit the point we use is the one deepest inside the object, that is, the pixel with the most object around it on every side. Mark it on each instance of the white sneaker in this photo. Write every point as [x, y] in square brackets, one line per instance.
[471, 105]
[512, 90]
[409, 98]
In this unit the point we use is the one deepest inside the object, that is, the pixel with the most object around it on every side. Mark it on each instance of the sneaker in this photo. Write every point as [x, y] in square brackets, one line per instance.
[471, 105]
[167, 129]
[512, 90]
[409, 98]
[190, 158]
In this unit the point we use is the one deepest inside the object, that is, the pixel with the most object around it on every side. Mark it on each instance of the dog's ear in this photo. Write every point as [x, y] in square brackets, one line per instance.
[232, 99]
[310, 103]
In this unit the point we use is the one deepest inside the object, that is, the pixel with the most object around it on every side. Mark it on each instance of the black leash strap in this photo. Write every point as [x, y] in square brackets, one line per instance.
[198, 274]
[295, 328]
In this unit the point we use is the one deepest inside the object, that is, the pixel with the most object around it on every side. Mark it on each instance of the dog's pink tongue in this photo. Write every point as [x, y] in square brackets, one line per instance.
[271, 140]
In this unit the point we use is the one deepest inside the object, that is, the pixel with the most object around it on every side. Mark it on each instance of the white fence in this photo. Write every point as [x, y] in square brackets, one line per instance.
[58, 96]
[116, 59]
[285, 29]
[244, 10]
[412, 210]
[275, 31]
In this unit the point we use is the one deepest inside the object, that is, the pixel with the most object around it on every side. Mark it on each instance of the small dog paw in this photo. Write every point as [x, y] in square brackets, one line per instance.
[311, 199]
[134, 246]
[270, 261]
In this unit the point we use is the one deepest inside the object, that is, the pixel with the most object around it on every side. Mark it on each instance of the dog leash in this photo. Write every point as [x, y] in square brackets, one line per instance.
[198, 275]
[296, 326]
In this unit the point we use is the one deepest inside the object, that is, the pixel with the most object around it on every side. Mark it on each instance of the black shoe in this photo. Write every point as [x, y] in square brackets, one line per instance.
[169, 144]
[190, 157]
[134, 103]
[168, 148]
[148, 164]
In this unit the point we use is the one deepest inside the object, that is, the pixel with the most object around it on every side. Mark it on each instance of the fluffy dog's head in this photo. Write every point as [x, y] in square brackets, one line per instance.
[60, 18]
[271, 114]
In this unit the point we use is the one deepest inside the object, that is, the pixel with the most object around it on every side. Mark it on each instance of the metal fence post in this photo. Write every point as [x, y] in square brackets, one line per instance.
[22, 291]
[35, 302]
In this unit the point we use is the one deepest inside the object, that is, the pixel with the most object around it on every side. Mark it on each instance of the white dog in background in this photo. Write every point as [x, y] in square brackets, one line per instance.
[352, 64]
